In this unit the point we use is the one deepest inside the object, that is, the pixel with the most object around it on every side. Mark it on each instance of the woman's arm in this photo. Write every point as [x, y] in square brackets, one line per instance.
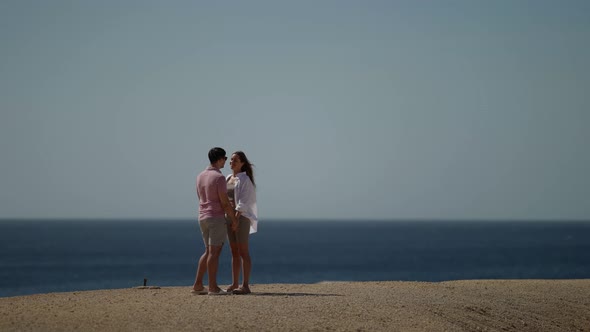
[245, 194]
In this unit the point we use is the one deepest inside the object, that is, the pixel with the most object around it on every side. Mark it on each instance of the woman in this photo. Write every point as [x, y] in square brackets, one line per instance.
[242, 194]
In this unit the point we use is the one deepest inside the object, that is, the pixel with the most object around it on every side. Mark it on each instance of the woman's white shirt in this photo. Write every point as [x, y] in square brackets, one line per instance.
[245, 200]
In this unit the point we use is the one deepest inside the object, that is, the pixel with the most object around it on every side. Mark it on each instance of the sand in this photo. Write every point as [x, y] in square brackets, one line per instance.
[470, 305]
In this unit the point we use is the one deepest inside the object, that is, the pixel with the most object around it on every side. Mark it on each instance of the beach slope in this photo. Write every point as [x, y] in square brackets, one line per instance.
[469, 305]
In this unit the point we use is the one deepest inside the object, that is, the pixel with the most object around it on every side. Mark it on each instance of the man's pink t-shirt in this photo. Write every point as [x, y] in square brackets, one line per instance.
[209, 184]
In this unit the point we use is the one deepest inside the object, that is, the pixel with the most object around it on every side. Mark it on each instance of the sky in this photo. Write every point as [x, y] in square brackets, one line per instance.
[389, 110]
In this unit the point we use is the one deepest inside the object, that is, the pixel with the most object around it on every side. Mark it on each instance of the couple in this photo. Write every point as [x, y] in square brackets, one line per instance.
[227, 208]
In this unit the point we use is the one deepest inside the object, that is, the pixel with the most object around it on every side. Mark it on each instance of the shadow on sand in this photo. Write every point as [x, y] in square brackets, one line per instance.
[291, 294]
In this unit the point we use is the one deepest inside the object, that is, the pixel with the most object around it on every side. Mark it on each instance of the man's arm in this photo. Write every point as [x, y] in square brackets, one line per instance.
[228, 210]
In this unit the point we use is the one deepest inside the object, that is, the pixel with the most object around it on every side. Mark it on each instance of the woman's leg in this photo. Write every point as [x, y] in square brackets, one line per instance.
[244, 253]
[236, 261]
[236, 264]
[246, 264]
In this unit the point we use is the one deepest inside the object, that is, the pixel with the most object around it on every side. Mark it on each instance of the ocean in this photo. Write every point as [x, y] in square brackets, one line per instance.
[41, 256]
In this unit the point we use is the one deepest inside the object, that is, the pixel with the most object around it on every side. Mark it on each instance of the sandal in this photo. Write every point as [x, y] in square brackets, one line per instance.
[242, 291]
[219, 292]
[230, 289]
[200, 292]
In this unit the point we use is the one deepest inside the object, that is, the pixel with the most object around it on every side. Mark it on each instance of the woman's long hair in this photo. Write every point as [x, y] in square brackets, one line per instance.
[247, 167]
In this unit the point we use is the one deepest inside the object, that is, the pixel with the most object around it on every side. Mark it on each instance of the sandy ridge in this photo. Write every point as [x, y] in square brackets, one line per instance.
[469, 305]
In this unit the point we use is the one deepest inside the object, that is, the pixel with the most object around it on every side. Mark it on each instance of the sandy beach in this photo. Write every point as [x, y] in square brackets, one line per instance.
[470, 305]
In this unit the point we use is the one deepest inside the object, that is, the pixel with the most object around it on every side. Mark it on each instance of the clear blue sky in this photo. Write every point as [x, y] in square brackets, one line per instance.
[349, 109]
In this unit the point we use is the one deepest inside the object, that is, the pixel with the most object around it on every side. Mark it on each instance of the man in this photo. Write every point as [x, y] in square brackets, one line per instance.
[213, 206]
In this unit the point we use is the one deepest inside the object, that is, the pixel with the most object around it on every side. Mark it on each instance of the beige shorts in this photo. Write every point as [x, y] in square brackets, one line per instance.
[214, 231]
[241, 236]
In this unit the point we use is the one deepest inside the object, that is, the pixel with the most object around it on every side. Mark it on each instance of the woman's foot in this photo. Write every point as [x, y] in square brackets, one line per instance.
[219, 291]
[200, 291]
[231, 288]
[242, 290]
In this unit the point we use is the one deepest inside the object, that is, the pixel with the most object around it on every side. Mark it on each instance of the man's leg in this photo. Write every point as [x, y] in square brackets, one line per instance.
[201, 270]
[202, 267]
[212, 265]
[217, 235]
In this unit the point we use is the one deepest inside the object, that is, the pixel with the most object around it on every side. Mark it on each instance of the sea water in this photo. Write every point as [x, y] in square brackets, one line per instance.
[40, 256]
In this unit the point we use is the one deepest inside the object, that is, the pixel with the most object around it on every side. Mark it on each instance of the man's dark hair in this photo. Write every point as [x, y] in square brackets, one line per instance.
[215, 154]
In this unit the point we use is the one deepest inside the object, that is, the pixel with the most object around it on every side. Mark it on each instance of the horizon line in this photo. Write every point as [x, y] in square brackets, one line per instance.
[331, 219]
